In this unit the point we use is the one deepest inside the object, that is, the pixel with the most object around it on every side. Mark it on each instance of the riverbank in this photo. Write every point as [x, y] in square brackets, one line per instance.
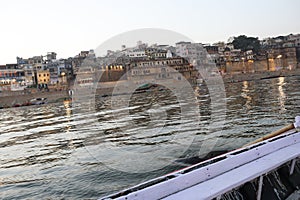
[239, 77]
[11, 99]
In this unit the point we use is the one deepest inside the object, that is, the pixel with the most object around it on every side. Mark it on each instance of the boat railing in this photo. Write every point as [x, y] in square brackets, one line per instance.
[189, 178]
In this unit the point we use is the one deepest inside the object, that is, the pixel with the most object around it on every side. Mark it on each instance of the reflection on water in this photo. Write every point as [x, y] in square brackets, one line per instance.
[245, 94]
[282, 96]
[53, 151]
[67, 105]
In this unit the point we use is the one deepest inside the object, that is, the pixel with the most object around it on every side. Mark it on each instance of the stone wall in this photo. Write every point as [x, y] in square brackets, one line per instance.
[261, 65]
[18, 97]
[112, 75]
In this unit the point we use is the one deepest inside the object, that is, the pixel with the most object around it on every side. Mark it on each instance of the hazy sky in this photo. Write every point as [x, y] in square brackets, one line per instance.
[35, 27]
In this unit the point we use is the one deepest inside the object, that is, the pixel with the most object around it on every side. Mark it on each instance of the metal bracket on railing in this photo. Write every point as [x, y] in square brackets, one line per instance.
[297, 122]
[292, 166]
[259, 190]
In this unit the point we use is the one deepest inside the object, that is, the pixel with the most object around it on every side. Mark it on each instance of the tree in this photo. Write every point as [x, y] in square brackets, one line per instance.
[246, 43]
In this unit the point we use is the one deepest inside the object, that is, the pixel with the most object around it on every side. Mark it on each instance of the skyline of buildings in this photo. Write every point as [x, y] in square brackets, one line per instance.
[145, 60]
[264, 41]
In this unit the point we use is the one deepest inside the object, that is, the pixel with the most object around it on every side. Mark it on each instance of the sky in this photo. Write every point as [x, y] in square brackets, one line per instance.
[34, 27]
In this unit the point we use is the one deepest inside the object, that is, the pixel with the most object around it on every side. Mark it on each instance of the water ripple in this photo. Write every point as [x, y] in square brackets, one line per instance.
[46, 150]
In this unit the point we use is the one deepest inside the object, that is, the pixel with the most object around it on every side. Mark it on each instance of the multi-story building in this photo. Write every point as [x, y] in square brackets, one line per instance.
[294, 39]
[10, 74]
[283, 57]
[249, 55]
[183, 49]
[137, 53]
[193, 52]
[29, 73]
[37, 62]
[61, 71]
[77, 61]
[174, 68]
[43, 78]
[227, 55]
[236, 54]
[211, 49]
[50, 56]
[289, 57]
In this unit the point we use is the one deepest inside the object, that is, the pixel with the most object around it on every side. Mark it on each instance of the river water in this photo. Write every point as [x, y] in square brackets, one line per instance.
[54, 151]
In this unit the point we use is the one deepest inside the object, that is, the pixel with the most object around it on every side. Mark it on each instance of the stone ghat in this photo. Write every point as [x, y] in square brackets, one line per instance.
[22, 98]
[11, 99]
[238, 77]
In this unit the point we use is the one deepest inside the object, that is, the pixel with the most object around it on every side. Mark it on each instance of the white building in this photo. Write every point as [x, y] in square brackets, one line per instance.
[189, 50]
[266, 42]
[295, 39]
[183, 48]
[249, 55]
[58, 71]
[136, 53]
[29, 74]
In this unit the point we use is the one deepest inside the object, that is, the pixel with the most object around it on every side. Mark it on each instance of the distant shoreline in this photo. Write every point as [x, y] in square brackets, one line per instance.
[239, 77]
[12, 99]
[17, 98]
